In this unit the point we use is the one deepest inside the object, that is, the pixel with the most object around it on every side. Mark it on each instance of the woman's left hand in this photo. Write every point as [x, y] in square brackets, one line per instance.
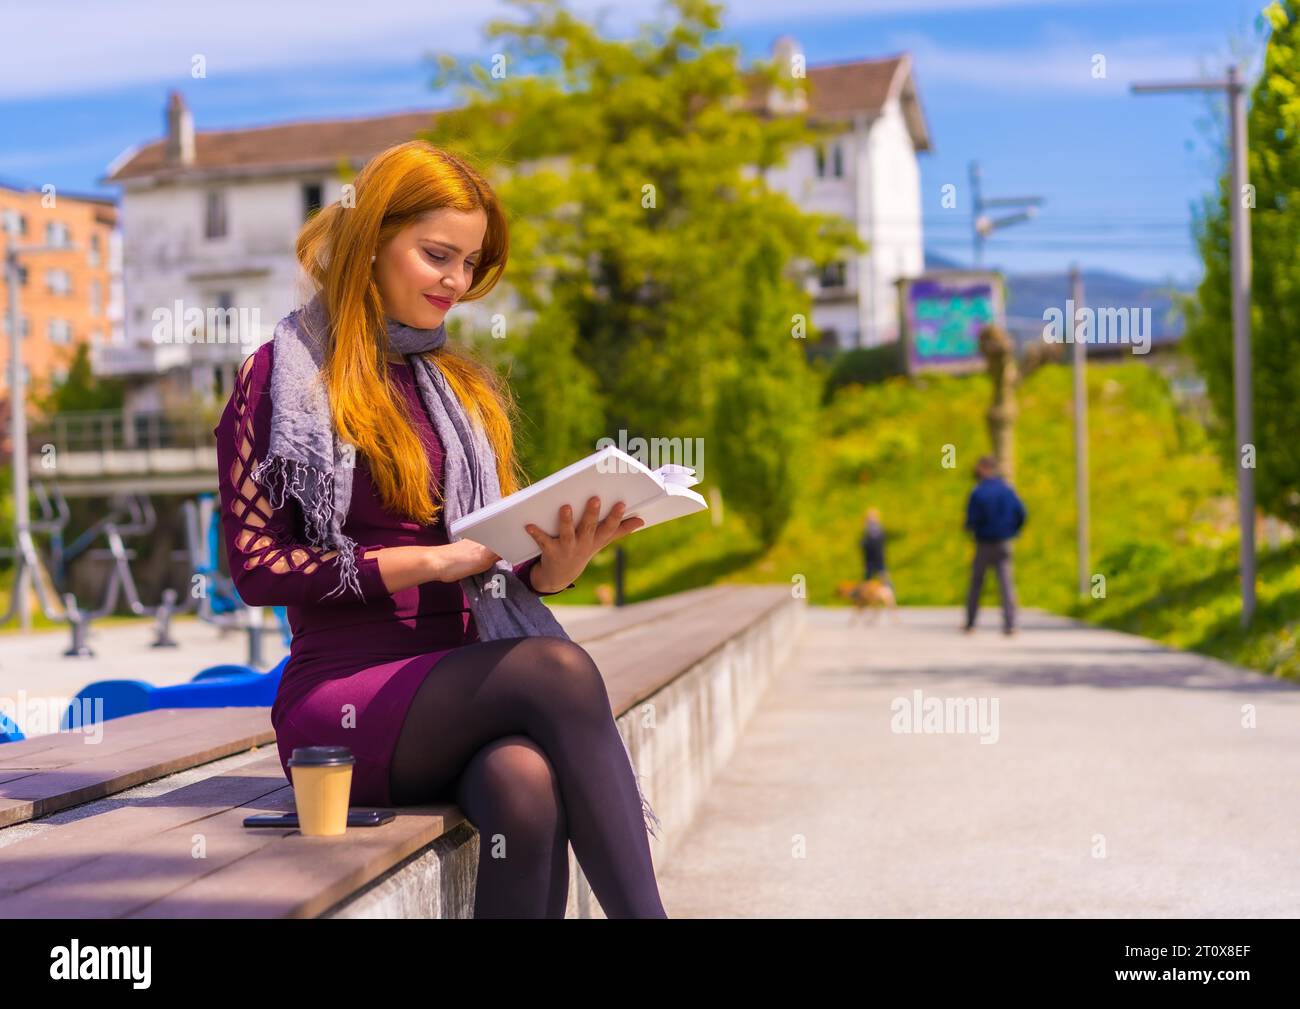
[564, 557]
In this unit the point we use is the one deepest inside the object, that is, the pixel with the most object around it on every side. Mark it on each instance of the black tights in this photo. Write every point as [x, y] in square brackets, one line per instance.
[522, 728]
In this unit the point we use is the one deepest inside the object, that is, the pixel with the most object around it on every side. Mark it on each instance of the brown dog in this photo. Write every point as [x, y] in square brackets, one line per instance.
[873, 595]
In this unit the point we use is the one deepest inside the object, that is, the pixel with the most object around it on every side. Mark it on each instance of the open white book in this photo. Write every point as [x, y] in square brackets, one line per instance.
[610, 474]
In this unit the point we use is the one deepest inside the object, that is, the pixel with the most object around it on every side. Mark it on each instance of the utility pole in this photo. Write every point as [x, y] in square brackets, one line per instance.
[1080, 432]
[1243, 392]
[982, 225]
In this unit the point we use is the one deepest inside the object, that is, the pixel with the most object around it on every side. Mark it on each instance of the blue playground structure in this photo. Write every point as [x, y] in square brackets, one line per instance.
[226, 686]
[9, 732]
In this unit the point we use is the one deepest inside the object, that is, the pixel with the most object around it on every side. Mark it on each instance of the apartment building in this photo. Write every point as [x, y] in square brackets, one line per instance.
[69, 285]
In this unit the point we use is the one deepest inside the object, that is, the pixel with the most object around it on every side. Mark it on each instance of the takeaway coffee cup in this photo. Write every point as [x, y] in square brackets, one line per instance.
[322, 783]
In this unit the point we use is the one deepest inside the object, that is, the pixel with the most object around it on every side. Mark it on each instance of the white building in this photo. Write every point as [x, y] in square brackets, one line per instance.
[868, 175]
[209, 218]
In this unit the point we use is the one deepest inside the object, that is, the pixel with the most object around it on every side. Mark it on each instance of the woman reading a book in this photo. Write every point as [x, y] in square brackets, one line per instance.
[350, 443]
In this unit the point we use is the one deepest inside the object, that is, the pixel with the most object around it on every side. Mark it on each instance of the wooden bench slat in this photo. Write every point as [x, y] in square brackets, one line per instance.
[74, 844]
[620, 618]
[212, 734]
[638, 663]
[288, 875]
[57, 749]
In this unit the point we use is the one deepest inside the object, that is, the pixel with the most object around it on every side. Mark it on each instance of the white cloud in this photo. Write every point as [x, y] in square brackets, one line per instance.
[1057, 65]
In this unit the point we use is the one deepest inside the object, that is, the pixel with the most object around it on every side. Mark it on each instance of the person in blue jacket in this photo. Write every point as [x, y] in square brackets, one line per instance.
[994, 516]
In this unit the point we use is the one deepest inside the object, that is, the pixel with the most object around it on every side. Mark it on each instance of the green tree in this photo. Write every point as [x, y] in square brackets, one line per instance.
[1273, 127]
[633, 237]
[767, 403]
[80, 389]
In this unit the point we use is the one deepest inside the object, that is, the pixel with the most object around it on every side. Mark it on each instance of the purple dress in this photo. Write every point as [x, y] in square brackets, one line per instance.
[354, 664]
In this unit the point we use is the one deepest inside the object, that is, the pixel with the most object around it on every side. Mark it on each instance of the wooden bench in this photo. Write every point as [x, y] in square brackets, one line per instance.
[683, 674]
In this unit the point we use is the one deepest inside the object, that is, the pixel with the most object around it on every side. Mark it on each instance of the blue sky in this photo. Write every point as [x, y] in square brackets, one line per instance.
[1006, 82]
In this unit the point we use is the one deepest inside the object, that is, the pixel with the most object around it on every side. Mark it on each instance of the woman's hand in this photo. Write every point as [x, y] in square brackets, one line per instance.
[565, 556]
[461, 559]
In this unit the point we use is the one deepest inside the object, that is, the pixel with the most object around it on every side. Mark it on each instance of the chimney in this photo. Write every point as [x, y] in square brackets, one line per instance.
[784, 52]
[180, 131]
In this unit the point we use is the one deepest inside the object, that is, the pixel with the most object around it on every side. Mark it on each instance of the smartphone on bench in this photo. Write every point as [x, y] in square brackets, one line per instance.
[356, 818]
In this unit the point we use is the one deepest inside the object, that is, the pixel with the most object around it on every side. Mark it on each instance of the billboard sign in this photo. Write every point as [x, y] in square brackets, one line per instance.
[943, 313]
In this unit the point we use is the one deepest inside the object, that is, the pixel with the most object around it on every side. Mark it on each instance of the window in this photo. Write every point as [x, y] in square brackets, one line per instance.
[96, 296]
[832, 275]
[214, 225]
[226, 319]
[15, 224]
[58, 281]
[312, 199]
[60, 331]
[94, 250]
[57, 234]
[836, 161]
[22, 275]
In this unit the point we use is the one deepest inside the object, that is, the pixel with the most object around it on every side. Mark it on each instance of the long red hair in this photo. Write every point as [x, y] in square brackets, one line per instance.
[334, 247]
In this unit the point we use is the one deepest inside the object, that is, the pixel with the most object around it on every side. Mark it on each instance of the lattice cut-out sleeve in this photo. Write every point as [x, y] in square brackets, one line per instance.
[270, 563]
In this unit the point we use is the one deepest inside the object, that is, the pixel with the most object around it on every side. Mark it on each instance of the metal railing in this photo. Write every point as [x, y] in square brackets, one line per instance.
[115, 431]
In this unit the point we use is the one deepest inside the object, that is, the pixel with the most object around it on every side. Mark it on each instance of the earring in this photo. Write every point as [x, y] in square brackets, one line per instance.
[372, 259]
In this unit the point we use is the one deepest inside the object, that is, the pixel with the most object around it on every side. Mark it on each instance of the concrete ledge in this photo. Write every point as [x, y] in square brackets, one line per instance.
[679, 736]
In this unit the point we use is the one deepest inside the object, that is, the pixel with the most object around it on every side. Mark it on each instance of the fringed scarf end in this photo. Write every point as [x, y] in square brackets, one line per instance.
[648, 815]
[313, 488]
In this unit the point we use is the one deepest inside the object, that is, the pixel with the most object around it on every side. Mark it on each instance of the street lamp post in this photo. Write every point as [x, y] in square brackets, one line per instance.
[982, 225]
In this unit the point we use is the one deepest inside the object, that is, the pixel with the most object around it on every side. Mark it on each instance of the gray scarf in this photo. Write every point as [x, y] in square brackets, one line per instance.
[306, 459]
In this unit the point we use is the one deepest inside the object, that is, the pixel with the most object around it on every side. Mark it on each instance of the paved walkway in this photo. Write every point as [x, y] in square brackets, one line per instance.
[1121, 782]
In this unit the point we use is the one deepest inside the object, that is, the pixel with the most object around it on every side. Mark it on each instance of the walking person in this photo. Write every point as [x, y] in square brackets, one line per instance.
[994, 517]
[351, 441]
[873, 548]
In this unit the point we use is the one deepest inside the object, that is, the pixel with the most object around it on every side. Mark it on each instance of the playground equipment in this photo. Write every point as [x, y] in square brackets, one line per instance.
[212, 594]
[129, 514]
[9, 731]
[224, 686]
[133, 515]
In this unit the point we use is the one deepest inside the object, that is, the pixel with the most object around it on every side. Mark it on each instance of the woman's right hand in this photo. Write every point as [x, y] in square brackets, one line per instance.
[461, 559]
